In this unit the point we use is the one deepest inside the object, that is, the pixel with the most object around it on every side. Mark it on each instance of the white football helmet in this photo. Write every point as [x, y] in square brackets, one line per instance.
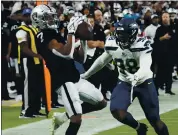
[127, 11]
[172, 12]
[69, 10]
[43, 17]
[78, 6]
[107, 16]
[117, 8]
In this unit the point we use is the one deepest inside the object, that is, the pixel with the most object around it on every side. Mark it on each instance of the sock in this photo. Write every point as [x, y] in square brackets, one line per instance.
[73, 128]
[162, 131]
[130, 121]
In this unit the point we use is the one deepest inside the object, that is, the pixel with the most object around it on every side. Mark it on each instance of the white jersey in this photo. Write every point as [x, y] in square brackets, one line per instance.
[130, 59]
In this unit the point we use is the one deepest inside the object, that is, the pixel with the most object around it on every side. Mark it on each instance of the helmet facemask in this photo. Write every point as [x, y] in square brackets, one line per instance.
[125, 38]
[50, 20]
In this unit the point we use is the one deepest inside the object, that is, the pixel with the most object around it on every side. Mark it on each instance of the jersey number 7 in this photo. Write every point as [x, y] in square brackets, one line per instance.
[40, 35]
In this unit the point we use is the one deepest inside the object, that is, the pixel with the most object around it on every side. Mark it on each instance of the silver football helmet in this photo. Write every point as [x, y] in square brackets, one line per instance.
[172, 12]
[43, 17]
[117, 8]
[107, 17]
[69, 10]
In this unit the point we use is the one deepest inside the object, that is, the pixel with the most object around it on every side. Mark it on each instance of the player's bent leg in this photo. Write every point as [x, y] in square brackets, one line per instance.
[92, 97]
[120, 101]
[149, 102]
[71, 100]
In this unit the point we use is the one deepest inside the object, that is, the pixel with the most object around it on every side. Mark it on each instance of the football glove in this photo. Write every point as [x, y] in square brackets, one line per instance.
[73, 24]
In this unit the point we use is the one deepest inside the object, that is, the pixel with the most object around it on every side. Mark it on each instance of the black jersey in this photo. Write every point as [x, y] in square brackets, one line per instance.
[13, 28]
[14, 43]
[4, 43]
[61, 70]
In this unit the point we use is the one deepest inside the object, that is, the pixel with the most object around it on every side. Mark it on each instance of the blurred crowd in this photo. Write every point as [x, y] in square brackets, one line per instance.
[157, 21]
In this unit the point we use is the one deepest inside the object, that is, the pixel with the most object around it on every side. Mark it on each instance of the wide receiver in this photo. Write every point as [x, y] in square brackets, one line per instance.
[59, 57]
[133, 57]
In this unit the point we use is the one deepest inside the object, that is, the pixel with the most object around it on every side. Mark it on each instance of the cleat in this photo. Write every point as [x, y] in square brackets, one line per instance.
[39, 114]
[170, 93]
[24, 116]
[142, 129]
[57, 120]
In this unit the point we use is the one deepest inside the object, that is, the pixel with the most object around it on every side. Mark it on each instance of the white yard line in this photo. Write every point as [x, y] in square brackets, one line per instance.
[103, 120]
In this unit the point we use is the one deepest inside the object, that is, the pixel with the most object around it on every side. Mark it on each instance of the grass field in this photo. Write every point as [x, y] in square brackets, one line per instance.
[170, 118]
[10, 119]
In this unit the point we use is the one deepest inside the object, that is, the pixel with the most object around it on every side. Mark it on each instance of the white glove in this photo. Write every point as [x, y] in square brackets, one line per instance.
[132, 78]
[73, 24]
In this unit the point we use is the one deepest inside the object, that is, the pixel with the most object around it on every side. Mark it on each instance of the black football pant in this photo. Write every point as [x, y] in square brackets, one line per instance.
[164, 75]
[34, 86]
[4, 78]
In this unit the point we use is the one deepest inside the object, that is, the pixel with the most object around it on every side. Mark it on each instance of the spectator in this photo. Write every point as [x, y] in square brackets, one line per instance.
[4, 65]
[164, 42]
[33, 68]
[103, 75]
[86, 11]
[150, 31]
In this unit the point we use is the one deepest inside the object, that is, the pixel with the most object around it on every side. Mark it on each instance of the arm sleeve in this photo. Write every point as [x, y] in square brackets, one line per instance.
[21, 36]
[99, 63]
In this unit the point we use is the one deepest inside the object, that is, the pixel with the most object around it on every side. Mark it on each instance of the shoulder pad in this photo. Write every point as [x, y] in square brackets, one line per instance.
[141, 44]
[111, 44]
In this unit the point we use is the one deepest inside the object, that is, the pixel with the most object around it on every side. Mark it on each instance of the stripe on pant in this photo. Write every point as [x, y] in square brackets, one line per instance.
[26, 105]
[70, 100]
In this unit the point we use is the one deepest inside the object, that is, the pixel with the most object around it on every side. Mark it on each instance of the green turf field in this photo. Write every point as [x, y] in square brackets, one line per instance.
[10, 119]
[170, 118]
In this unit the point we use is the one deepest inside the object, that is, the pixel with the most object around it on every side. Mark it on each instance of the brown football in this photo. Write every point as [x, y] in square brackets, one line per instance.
[84, 31]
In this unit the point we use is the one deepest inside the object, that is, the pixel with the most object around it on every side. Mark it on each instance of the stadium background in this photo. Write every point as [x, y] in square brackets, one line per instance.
[141, 11]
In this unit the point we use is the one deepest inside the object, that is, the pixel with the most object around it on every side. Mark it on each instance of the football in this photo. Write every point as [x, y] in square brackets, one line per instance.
[84, 31]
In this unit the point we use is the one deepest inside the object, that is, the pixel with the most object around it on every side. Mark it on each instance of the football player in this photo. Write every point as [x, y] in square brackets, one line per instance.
[133, 57]
[59, 57]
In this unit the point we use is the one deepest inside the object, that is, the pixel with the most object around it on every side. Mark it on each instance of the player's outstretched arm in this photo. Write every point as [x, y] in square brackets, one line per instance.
[99, 63]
